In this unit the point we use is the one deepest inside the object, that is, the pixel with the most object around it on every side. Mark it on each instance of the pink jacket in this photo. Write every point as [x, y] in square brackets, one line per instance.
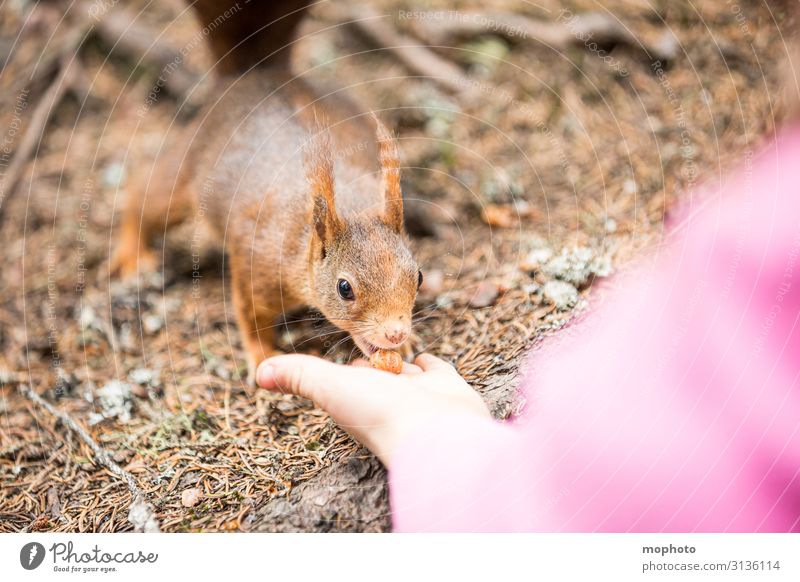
[675, 407]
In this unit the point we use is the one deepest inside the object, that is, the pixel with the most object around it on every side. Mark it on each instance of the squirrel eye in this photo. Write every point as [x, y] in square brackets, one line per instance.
[345, 290]
[419, 279]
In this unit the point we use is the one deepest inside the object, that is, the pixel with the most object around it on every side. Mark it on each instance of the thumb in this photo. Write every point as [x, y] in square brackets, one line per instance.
[303, 375]
[429, 363]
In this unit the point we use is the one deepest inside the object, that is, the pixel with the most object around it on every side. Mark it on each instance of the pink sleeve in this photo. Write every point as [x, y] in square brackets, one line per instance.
[677, 407]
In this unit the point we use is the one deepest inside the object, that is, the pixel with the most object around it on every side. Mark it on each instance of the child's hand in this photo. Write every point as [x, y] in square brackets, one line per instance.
[378, 408]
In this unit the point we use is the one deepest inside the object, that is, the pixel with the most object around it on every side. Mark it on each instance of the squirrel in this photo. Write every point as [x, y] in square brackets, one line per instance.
[309, 215]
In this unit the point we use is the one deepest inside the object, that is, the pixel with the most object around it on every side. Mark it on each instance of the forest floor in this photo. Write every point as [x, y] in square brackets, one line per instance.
[551, 170]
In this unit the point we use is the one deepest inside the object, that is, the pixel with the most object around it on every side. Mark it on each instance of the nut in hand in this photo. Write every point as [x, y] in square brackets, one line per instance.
[387, 360]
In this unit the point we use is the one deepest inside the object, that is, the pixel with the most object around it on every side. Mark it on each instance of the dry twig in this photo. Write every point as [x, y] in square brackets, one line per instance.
[141, 513]
[418, 59]
[579, 29]
[35, 130]
[125, 34]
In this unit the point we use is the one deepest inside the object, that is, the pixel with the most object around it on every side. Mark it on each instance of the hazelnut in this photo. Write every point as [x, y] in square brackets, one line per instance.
[387, 360]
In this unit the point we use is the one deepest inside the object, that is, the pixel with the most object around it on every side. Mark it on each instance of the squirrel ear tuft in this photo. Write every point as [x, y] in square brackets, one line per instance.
[319, 172]
[389, 159]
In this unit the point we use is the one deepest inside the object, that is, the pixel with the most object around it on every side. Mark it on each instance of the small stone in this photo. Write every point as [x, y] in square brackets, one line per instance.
[191, 497]
[629, 186]
[563, 295]
[484, 295]
[487, 51]
[152, 324]
[667, 47]
[113, 175]
[88, 319]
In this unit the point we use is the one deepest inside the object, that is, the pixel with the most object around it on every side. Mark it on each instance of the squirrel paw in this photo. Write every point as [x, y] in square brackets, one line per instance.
[126, 264]
[251, 376]
[252, 366]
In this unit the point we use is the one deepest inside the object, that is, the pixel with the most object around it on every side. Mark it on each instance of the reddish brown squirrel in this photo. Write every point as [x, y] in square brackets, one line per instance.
[307, 215]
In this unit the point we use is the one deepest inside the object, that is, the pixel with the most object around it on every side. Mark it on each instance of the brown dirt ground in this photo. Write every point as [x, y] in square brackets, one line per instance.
[588, 156]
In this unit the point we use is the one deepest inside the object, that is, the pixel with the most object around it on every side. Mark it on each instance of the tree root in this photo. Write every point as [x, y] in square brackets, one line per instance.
[569, 30]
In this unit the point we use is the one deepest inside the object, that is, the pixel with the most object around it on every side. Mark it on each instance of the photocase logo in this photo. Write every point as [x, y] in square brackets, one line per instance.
[31, 555]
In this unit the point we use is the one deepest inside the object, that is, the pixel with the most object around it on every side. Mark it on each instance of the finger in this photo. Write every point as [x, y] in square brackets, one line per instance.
[360, 363]
[306, 376]
[411, 369]
[429, 362]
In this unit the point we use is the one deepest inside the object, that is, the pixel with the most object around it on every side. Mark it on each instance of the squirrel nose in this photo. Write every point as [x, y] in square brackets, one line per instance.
[396, 332]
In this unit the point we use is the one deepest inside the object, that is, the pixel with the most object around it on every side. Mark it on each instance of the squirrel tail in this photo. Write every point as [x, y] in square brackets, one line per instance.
[243, 34]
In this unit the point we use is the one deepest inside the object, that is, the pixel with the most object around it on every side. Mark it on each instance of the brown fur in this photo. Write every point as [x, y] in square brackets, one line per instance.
[243, 34]
[296, 206]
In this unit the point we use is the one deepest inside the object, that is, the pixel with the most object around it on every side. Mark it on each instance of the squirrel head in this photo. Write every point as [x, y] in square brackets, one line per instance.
[362, 274]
